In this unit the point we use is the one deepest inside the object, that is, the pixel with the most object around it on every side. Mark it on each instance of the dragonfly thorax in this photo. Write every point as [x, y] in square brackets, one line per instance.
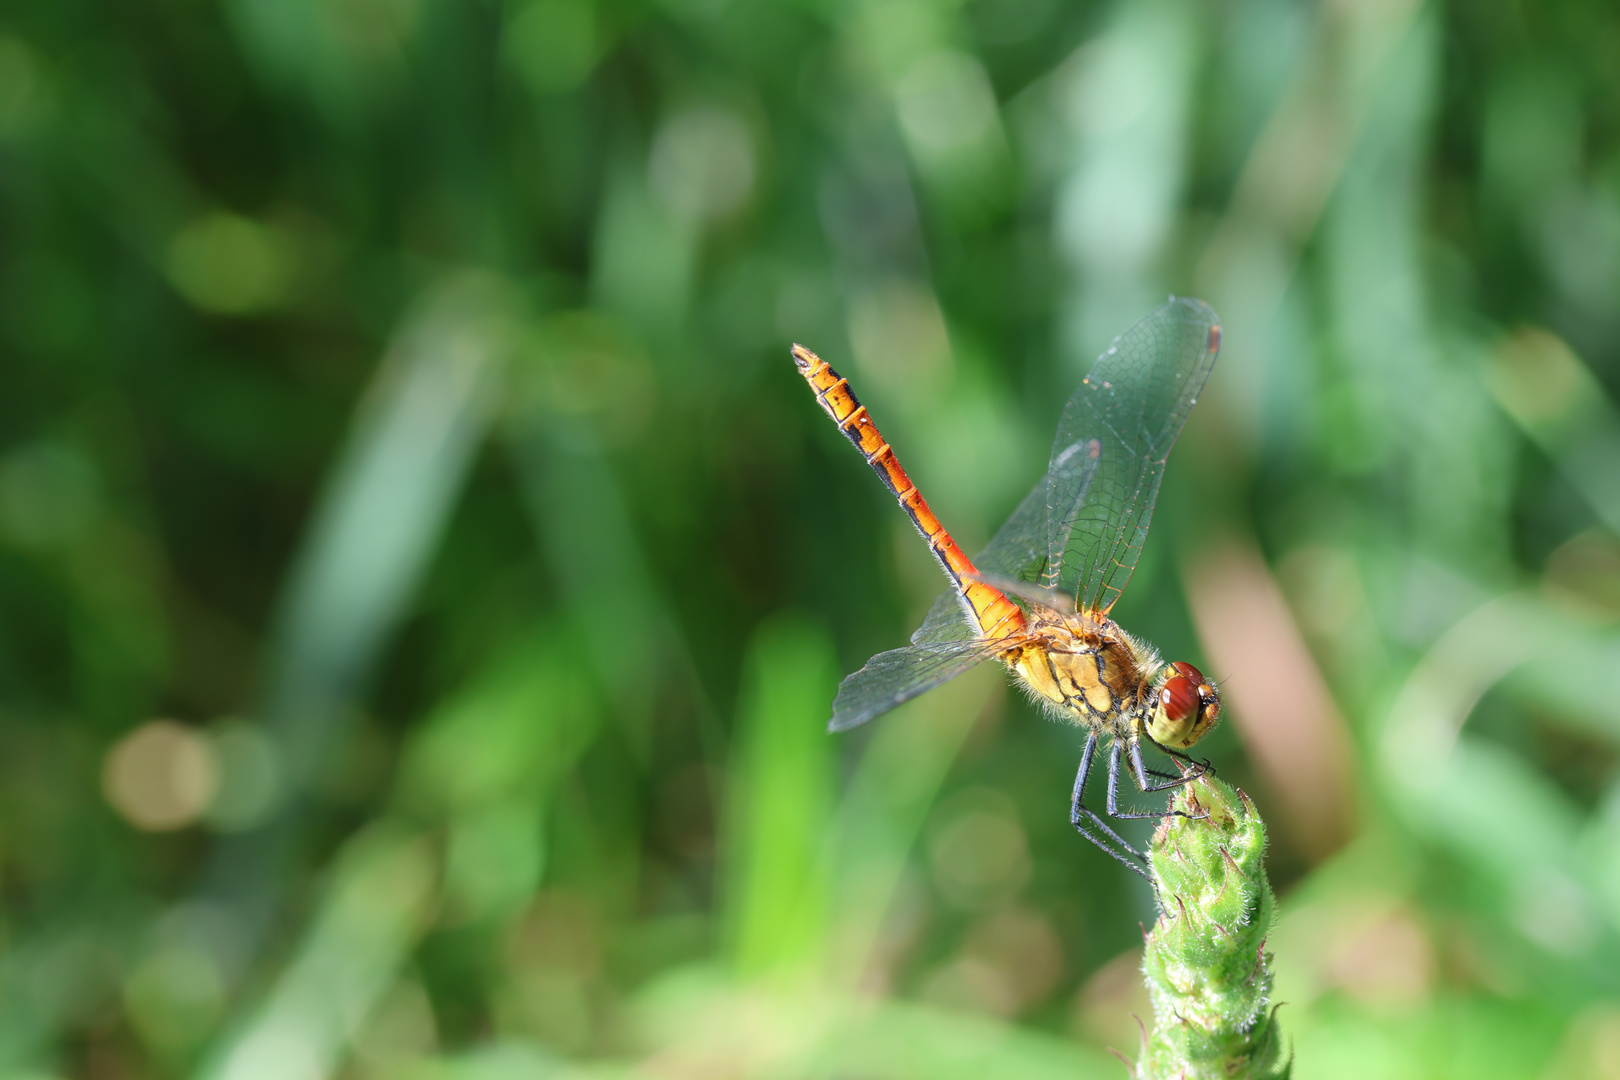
[1094, 673]
[1090, 670]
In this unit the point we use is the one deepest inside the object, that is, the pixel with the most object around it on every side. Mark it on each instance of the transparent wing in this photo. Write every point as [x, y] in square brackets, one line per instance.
[1112, 442]
[1065, 486]
[946, 623]
[1081, 529]
[1018, 550]
[893, 677]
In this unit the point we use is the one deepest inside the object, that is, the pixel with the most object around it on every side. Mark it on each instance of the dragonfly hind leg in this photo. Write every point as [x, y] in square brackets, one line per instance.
[1089, 824]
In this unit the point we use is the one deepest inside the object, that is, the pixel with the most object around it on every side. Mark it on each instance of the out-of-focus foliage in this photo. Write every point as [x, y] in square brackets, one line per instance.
[423, 577]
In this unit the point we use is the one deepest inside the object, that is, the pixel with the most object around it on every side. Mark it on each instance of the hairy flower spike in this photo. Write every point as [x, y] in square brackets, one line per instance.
[1206, 964]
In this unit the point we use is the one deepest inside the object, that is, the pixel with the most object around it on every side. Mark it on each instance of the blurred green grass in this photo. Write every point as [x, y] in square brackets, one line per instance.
[424, 576]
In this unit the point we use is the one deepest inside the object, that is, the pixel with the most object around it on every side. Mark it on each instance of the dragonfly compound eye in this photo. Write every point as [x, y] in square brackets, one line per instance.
[1179, 699]
[1189, 705]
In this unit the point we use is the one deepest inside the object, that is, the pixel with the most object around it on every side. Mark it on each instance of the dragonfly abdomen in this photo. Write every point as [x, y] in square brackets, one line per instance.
[996, 615]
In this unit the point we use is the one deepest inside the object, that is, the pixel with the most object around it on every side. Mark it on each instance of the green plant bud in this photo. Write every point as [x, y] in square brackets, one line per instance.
[1206, 964]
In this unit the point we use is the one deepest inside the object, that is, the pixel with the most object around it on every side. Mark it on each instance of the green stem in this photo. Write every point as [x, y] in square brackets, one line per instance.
[1207, 968]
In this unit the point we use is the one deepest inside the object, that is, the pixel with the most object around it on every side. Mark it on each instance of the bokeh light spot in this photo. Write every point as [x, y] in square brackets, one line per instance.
[1108, 1001]
[1537, 378]
[373, 27]
[48, 494]
[702, 164]
[978, 850]
[494, 861]
[229, 265]
[250, 784]
[551, 44]
[1011, 960]
[174, 997]
[1386, 963]
[161, 776]
[946, 103]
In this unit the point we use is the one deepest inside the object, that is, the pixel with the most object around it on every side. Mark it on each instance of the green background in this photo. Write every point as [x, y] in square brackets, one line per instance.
[424, 577]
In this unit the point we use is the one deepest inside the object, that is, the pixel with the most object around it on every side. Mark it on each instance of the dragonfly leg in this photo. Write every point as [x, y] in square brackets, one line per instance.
[1089, 824]
[1141, 771]
[1199, 768]
[1114, 810]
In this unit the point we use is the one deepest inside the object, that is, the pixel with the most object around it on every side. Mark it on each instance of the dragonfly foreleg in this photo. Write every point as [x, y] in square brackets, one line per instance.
[1200, 767]
[1140, 769]
[1089, 824]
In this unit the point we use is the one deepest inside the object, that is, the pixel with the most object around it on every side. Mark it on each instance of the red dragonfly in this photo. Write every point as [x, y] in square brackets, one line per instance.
[1038, 597]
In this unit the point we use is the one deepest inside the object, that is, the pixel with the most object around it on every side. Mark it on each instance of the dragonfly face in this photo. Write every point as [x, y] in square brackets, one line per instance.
[1189, 705]
[1038, 597]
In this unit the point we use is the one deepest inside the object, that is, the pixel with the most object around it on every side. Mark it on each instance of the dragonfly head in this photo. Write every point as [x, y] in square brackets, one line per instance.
[1188, 706]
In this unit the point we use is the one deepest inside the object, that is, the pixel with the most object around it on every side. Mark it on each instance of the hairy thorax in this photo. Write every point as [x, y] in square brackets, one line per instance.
[1092, 671]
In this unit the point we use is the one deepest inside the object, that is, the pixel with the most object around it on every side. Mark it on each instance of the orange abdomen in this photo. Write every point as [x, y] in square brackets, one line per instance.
[997, 616]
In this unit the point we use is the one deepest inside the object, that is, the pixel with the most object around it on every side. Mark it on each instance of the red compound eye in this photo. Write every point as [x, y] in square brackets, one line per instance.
[1180, 696]
[1189, 705]
[1189, 671]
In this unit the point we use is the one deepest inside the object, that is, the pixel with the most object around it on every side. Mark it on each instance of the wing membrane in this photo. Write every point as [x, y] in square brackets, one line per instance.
[1080, 530]
[1066, 484]
[1126, 416]
[1018, 550]
[894, 677]
[947, 622]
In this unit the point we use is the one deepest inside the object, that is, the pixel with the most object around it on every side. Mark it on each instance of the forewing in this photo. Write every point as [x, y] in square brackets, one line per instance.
[894, 677]
[1066, 484]
[1123, 419]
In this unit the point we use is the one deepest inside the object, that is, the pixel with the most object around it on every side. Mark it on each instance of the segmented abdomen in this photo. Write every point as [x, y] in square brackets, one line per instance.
[997, 616]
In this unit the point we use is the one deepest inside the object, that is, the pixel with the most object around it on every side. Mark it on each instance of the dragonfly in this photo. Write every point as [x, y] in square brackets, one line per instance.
[1038, 597]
